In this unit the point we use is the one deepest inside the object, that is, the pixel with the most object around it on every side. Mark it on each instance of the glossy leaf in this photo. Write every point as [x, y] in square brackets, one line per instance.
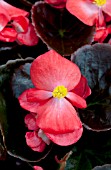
[95, 64]
[59, 29]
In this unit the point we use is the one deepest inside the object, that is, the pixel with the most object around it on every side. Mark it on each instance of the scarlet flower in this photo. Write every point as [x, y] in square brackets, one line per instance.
[37, 168]
[35, 142]
[102, 33]
[35, 139]
[56, 82]
[15, 26]
[90, 12]
[30, 121]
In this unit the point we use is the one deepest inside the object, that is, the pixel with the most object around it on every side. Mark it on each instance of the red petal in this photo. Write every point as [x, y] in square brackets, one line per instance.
[67, 138]
[101, 34]
[28, 38]
[39, 148]
[8, 35]
[57, 116]
[37, 168]
[82, 89]
[76, 100]
[11, 10]
[3, 21]
[20, 24]
[84, 10]
[24, 103]
[4, 18]
[50, 70]
[34, 95]
[30, 121]
[107, 7]
[34, 141]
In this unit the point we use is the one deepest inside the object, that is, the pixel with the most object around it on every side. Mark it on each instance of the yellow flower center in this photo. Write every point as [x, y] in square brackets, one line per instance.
[99, 2]
[59, 92]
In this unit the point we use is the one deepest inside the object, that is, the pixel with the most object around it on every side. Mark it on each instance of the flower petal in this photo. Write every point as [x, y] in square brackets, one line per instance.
[76, 100]
[30, 121]
[28, 105]
[20, 23]
[8, 35]
[67, 138]
[107, 7]
[82, 89]
[84, 10]
[11, 10]
[37, 168]
[28, 38]
[34, 95]
[31, 98]
[57, 116]
[3, 21]
[34, 142]
[50, 70]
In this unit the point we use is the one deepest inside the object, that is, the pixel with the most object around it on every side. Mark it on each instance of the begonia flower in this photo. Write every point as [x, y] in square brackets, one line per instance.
[57, 3]
[102, 33]
[7, 12]
[30, 121]
[54, 98]
[90, 12]
[37, 168]
[34, 141]
[15, 26]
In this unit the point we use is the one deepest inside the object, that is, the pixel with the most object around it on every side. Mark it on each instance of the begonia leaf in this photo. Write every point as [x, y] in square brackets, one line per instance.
[60, 30]
[21, 80]
[12, 124]
[95, 64]
[7, 69]
[103, 167]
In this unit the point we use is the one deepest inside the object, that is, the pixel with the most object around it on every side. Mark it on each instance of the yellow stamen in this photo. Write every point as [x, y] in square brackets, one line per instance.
[99, 2]
[59, 92]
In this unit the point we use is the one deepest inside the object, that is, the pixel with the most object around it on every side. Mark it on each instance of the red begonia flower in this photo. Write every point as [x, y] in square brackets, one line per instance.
[82, 89]
[55, 79]
[19, 28]
[57, 3]
[11, 10]
[102, 33]
[4, 18]
[90, 12]
[28, 38]
[7, 12]
[20, 24]
[37, 168]
[34, 142]
[8, 35]
[66, 139]
[30, 121]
